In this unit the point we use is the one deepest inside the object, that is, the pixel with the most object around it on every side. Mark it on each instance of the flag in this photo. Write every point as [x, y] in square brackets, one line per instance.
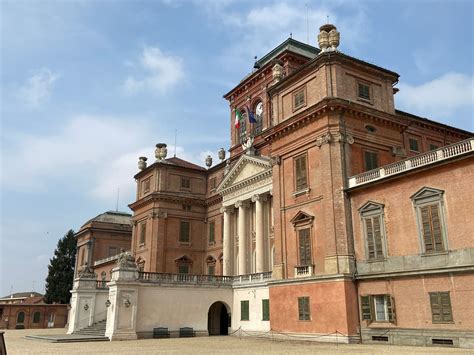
[238, 118]
[251, 116]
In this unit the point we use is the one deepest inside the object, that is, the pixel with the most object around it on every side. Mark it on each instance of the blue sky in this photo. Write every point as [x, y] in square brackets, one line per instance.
[88, 86]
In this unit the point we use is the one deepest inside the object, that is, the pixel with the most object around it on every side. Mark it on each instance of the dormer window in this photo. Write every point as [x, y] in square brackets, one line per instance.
[185, 183]
[364, 91]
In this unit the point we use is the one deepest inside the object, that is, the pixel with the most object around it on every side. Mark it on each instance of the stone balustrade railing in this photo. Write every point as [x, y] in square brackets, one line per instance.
[304, 271]
[101, 284]
[189, 279]
[105, 260]
[456, 149]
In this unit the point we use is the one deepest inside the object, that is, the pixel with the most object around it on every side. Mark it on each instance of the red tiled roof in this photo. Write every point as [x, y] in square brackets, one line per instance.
[184, 164]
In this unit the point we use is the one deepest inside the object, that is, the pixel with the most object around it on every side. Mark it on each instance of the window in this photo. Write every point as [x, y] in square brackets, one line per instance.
[103, 276]
[185, 183]
[212, 183]
[303, 308]
[183, 269]
[414, 145]
[211, 269]
[429, 210]
[36, 317]
[441, 307]
[299, 99]
[146, 185]
[301, 173]
[265, 309]
[242, 130]
[184, 231]
[379, 308]
[212, 227]
[370, 160]
[370, 128]
[113, 251]
[304, 243]
[373, 226]
[257, 126]
[186, 207]
[20, 318]
[141, 266]
[433, 146]
[244, 310]
[364, 91]
[142, 233]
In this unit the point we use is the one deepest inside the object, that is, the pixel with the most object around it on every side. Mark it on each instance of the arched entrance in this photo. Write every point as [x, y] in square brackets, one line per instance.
[218, 319]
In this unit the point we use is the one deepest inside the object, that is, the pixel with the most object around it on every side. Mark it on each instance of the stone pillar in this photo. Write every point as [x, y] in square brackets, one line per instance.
[259, 220]
[242, 226]
[227, 253]
[123, 297]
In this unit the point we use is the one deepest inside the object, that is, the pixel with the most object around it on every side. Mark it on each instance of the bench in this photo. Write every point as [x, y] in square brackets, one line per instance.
[186, 332]
[161, 332]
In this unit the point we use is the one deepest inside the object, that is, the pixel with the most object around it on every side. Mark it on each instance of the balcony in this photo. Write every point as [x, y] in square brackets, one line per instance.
[304, 271]
[211, 280]
[421, 160]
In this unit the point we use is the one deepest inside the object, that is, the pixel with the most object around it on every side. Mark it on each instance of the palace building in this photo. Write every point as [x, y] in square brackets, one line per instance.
[336, 217]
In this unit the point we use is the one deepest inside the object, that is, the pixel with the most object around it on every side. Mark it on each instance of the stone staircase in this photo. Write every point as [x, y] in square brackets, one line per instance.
[94, 330]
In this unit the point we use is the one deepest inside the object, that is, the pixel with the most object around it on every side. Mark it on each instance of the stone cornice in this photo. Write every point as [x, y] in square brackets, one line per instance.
[164, 196]
[247, 182]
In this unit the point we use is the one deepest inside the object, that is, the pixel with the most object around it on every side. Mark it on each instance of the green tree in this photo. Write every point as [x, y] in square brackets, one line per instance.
[61, 270]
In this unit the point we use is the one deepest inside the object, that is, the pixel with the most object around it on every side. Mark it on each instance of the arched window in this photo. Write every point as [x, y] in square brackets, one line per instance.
[20, 318]
[243, 126]
[258, 114]
[36, 317]
[211, 265]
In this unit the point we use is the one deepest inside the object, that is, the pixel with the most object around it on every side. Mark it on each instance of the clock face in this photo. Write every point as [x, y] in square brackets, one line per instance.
[259, 109]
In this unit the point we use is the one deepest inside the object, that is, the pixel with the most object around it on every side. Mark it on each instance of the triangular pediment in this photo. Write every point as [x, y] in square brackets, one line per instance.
[427, 192]
[302, 217]
[371, 206]
[246, 168]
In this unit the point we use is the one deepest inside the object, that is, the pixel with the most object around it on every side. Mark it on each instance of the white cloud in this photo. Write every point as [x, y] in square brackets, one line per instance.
[78, 152]
[160, 72]
[439, 97]
[38, 87]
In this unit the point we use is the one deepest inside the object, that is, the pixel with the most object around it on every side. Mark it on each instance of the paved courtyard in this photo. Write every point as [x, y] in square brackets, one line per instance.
[17, 344]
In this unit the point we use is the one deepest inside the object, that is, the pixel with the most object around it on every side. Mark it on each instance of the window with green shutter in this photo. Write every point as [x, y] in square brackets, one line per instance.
[373, 227]
[142, 232]
[301, 172]
[441, 307]
[212, 227]
[371, 160]
[364, 91]
[379, 308]
[304, 242]
[432, 230]
[184, 231]
[303, 308]
[265, 309]
[36, 317]
[244, 310]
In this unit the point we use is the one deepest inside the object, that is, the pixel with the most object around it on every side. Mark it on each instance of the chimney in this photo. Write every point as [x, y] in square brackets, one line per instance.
[328, 38]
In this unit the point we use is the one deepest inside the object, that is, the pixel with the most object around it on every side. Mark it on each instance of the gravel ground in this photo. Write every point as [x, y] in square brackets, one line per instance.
[18, 344]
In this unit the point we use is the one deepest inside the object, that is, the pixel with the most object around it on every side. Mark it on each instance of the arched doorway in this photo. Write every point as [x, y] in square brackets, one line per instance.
[218, 320]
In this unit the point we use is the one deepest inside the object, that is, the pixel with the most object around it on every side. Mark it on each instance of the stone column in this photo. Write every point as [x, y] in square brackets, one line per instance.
[259, 220]
[227, 253]
[242, 226]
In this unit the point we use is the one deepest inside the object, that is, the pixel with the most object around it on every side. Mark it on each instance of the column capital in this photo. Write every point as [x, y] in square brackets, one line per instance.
[227, 209]
[261, 197]
[243, 204]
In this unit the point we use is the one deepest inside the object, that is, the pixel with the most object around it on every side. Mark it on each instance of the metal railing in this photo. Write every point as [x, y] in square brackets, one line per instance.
[417, 161]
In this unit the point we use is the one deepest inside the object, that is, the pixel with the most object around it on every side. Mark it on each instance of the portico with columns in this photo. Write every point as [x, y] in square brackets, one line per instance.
[246, 192]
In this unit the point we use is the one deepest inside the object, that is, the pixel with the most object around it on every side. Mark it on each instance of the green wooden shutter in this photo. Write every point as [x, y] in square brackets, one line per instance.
[211, 232]
[370, 238]
[244, 310]
[265, 309]
[366, 308]
[426, 226]
[445, 301]
[301, 173]
[184, 232]
[436, 228]
[305, 247]
[435, 307]
[377, 237]
[389, 301]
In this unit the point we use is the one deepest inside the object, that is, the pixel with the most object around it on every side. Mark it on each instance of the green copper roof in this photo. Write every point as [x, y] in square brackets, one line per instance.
[292, 45]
